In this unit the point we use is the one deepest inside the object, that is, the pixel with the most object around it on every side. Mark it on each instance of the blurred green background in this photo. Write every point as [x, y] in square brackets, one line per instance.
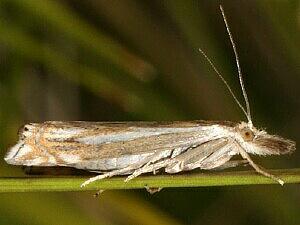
[139, 60]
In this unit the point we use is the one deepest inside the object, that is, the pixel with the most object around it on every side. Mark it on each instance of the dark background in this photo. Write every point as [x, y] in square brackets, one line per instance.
[139, 60]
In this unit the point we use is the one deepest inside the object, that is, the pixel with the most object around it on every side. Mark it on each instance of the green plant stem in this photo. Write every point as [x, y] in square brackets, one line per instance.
[35, 184]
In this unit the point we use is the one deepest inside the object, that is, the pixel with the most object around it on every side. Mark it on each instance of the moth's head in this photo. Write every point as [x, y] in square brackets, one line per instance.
[259, 142]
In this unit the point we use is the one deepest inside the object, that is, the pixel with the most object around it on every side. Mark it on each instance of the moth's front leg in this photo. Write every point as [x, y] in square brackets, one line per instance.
[257, 168]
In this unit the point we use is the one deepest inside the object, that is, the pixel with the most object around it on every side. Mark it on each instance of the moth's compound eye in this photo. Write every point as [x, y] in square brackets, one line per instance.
[247, 134]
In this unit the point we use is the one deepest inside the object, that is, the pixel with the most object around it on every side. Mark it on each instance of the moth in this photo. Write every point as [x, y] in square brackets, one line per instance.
[135, 148]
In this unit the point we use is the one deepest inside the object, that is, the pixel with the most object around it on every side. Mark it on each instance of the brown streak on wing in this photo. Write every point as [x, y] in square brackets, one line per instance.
[115, 149]
[139, 124]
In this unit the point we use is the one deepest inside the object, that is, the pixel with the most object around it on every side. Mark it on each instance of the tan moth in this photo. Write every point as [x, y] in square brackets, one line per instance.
[135, 148]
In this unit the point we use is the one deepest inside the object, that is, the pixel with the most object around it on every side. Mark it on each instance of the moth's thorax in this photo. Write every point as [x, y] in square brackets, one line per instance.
[258, 141]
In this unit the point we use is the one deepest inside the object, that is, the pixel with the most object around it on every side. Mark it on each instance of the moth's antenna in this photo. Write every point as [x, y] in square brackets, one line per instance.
[238, 67]
[224, 81]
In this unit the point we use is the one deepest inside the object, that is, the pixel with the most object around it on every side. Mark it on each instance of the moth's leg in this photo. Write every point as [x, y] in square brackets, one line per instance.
[148, 168]
[98, 193]
[156, 162]
[129, 169]
[153, 190]
[109, 174]
[213, 164]
[232, 163]
[206, 156]
[257, 168]
[158, 156]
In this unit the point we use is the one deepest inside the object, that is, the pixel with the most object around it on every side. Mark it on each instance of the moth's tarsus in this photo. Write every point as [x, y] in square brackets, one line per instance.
[98, 193]
[153, 190]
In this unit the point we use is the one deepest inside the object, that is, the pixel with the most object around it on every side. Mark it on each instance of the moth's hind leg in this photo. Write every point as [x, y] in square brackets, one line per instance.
[127, 170]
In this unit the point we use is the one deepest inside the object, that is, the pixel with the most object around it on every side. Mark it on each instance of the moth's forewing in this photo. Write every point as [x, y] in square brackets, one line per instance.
[106, 146]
